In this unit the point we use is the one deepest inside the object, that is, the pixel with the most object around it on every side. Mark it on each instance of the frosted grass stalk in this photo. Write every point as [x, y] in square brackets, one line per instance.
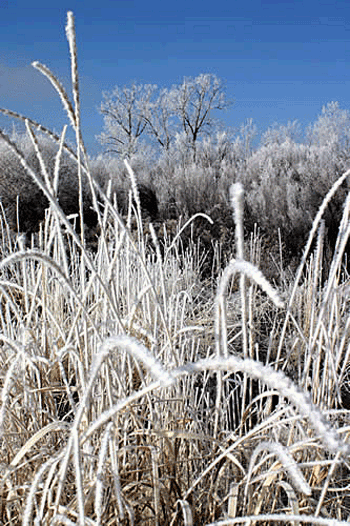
[287, 462]
[67, 105]
[186, 513]
[317, 271]
[161, 271]
[113, 453]
[28, 511]
[71, 37]
[46, 492]
[74, 438]
[188, 222]
[58, 158]
[138, 351]
[74, 115]
[9, 379]
[39, 157]
[237, 194]
[251, 271]
[56, 175]
[284, 385]
[134, 188]
[100, 472]
[245, 269]
[156, 484]
[135, 349]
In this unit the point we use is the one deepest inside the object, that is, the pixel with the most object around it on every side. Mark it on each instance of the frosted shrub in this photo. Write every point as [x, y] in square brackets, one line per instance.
[286, 183]
[278, 134]
[276, 195]
[332, 127]
[23, 201]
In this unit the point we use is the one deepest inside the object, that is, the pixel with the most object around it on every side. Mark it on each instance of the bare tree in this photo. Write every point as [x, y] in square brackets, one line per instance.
[160, 115]
[130, 112]
[194, 102]
[124, 112]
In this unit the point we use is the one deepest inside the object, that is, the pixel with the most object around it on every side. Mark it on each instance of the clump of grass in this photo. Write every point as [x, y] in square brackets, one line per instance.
[130, 395]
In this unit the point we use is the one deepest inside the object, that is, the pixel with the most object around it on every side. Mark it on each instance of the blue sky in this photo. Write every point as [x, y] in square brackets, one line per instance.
[281, 60]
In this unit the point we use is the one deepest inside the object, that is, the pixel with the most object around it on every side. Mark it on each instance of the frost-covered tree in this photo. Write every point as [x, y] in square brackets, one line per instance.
[332, 128]
[278, 134]
[248, 132]
[195, 101]
[124, 112]
[214, 149]
[161, 116]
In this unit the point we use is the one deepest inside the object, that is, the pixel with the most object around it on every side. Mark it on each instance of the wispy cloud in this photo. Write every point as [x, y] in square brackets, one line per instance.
[23, 83]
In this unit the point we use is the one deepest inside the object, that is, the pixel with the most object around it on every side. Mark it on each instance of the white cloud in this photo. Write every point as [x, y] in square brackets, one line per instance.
[23, 83]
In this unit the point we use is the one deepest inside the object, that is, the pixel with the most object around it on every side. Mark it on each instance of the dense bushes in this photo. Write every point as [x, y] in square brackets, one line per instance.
[23, 202]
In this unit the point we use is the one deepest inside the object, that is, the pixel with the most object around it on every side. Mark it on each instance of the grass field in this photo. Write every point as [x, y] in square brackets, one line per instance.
[135, 392]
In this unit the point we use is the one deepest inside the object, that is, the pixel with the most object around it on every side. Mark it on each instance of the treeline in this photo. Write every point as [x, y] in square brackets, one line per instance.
[185, 162]
[285, 176]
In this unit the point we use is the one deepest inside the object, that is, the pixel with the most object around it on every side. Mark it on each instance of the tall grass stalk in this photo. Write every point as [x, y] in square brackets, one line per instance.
[287, 462]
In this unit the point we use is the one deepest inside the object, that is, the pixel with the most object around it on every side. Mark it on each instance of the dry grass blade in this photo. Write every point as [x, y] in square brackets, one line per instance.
[233, 501]
[50, 428]
[292, 499]
[186, 513]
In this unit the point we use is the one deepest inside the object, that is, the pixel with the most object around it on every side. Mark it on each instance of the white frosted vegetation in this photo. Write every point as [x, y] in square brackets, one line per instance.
[134, 393]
